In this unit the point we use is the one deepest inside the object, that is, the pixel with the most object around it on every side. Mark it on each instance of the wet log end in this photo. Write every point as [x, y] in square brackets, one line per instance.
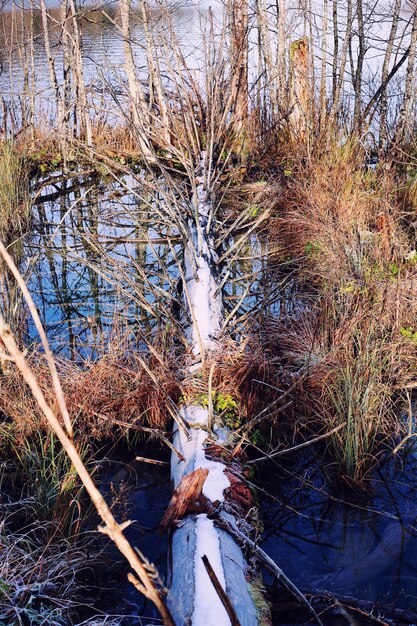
[184, 499]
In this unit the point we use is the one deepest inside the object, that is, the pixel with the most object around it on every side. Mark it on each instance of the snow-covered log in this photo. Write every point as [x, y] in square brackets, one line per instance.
[192, 597]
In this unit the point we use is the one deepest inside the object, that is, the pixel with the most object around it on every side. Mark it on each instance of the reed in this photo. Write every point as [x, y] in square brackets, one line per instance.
[15, 205]
[341, 228]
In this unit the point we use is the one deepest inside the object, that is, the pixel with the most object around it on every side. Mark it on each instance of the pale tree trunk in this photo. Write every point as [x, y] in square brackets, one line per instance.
[311, 111]
[335, 49]
[139, 106]
[156, 92]
[66, 69]
[385, 74]
[140, 112]
[239, 62]
[299, 89]
[281, 55]
[405, 118]
[192, 597]
[263, 74]
[312, 69]
[323, 82]
[84, 113]
[266, 50]
[51, 61]
[343, 59]
[32, 73]
[357, 113]
[25, 69]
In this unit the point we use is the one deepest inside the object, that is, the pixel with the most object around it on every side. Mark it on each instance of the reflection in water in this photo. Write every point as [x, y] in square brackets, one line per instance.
[364, 547]
[102, 53]
[100, 257]
[87, 248]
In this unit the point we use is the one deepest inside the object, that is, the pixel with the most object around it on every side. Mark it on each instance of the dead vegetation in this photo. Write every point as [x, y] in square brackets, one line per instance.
[341, 226]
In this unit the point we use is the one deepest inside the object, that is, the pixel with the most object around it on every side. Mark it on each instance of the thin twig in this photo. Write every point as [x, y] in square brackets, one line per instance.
[42, 334]
[266, 560]
[220, 592]
[310, 442]
[111, 527]
[146, 429]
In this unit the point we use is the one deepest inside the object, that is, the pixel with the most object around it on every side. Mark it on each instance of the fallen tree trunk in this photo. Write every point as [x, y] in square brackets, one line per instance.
[198, 547]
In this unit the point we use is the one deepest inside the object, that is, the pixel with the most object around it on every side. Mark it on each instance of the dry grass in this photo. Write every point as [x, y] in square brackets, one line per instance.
[15, 205]
[42, 548]
[116, 387]
[339, 219]
[355, 347]
[38, 576]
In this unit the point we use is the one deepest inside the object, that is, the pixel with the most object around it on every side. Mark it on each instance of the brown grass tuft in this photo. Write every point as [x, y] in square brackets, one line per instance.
[355, 346]
[116, 387]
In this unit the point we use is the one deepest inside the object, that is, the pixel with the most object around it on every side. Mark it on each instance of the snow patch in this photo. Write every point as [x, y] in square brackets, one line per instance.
[194, 414]
[216, 481]
[208, 609]
[192, 448]
[204, 297]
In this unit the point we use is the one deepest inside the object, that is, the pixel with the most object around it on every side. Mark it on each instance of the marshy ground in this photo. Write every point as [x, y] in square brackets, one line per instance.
[315, 194]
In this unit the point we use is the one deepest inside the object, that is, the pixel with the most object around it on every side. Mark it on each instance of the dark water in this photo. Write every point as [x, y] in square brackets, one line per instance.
[311, 530]
[139, 492]
[362, 545]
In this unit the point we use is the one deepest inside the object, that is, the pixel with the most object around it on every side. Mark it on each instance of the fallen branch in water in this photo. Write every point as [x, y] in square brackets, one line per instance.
[240, 537]
[142, 459]
[146, 429]
[305, 444]
[331, 602]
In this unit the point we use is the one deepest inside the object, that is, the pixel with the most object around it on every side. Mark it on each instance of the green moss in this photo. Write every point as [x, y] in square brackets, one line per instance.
[257, 437]
[258, 595]
[409, 333]
[224, 405]
[312, 248]
[254, 210]
[296, 45]
[393, 269]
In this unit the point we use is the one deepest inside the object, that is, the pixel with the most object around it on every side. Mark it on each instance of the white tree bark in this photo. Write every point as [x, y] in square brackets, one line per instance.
[281, 55]
[51, 61]
[405, 120]
[192, 597]
[78, 71]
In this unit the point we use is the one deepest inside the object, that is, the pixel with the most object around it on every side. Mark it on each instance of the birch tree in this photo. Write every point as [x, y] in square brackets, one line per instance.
[409, 85]
[385, 73]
